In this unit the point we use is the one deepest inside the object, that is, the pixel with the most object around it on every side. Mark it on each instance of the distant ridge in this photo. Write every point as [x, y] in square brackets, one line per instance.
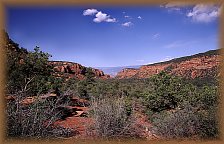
[112, 71]
[198, 65]
[177, 60]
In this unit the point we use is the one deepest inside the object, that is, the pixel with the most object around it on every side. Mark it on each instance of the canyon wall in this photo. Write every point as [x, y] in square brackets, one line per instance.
[74, 70]
[199, 65]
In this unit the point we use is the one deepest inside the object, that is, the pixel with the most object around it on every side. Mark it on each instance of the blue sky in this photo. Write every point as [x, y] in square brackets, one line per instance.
[115, 36]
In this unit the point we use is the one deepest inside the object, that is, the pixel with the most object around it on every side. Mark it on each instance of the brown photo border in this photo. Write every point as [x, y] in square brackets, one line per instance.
[89, 3]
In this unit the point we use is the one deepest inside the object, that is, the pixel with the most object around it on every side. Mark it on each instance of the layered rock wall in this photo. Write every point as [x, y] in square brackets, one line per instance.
[74, 70]
[192, 67]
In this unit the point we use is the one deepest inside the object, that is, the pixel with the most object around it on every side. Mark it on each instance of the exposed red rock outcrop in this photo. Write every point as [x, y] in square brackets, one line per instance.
[200, 65]
[127, 73]
[74, 70]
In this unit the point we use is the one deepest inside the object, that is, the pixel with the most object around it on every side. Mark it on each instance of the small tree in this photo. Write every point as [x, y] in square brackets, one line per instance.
[165, 92]
[27, 72]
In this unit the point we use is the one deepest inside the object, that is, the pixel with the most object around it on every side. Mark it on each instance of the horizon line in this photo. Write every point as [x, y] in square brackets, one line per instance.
[133, 65]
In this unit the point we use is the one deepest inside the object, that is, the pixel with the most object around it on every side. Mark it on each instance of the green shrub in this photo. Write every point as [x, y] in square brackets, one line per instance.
[27, 71]
[32, 121]
[179, 124]
[165, 93]
[186, 123]
[111, 119]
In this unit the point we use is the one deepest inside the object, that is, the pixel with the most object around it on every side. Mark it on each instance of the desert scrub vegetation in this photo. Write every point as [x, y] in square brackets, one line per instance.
[176, 107]
[178, 124]
[194, 114]
[28, 74]
[186, 123]
[35, 120]
[112, 119]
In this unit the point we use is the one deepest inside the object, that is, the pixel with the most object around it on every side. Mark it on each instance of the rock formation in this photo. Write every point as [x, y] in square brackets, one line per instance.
[199, 65]
[74, 70]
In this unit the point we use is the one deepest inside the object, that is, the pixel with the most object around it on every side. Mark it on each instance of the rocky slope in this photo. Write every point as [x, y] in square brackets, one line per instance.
[74, 70]
[199, 65]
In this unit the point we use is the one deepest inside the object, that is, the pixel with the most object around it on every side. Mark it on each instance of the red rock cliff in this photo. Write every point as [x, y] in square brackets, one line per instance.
[74, 70]
[199, 65]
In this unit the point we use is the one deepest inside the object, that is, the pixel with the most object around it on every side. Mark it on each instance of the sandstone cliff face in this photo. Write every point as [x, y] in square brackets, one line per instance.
[200, 65]
[74, 70]
[127, 73]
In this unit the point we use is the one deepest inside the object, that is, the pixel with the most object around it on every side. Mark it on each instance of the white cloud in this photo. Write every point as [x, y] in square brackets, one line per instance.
[128, 17]
[204, 13]
[127, 24]
[102, 17]
[111, 20]
[139, 17]
[155, 36]
[89, 12]
[173, 6]
[99, 16]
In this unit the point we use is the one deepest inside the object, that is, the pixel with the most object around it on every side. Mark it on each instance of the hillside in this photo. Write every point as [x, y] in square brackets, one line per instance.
[60, 68]
[44, 101]
[198, 65]
[74, 70]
